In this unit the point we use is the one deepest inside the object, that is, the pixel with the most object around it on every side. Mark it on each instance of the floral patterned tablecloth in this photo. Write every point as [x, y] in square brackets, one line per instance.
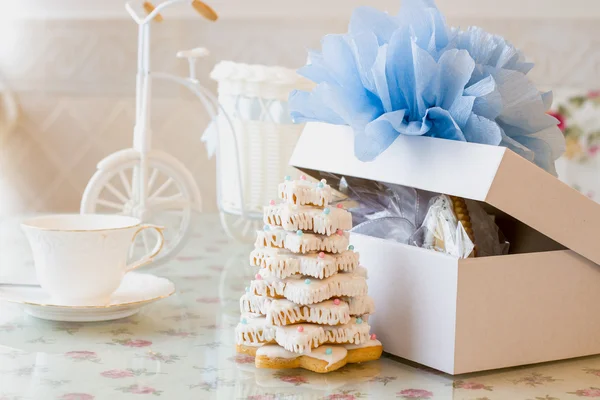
[182, 347]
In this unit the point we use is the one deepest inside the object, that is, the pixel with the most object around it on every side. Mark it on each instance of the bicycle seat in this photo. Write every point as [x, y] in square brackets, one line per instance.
[198, 52]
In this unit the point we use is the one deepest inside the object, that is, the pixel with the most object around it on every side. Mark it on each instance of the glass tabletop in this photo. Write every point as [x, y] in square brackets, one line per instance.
[182, 347]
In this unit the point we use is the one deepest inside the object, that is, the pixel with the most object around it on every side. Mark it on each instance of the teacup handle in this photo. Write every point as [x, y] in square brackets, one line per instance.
[147, 259]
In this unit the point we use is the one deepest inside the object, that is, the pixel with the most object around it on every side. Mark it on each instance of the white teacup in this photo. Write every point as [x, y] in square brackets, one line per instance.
[80, 260]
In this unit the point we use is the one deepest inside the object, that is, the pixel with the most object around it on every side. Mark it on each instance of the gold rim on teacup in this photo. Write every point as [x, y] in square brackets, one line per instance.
[30, 223]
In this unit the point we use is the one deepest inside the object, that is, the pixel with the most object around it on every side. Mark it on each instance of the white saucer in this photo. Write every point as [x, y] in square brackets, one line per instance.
[136, 291]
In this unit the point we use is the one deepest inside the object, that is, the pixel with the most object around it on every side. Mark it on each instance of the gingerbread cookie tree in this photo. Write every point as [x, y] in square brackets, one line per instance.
[307, 306]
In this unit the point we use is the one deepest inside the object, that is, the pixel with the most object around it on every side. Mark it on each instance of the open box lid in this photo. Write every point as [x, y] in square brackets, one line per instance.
[495, 175]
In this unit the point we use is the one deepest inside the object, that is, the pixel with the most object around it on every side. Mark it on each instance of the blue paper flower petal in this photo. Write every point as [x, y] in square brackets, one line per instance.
[523, 108]
[416, 128]
[462, 109]
[443, 125]
[365, 49]
[338, 57]
[456, 67]
[316, 70]
[482, 130]
[413, 75]
[491, 50]
[311, 107]
[382, 88]
[398, 65]
[555, 139]
[370, 20]
[378, 135]
[541, 152]
[488, 101]
[427, 24]
[517, 147]
[547, 98]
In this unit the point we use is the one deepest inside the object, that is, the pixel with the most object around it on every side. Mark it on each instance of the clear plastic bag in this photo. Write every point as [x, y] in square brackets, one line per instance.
[442, 231]
[489, 239]
[420, 218]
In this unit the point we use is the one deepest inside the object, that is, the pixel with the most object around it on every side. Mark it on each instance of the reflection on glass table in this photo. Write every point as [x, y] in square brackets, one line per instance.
[182, 347]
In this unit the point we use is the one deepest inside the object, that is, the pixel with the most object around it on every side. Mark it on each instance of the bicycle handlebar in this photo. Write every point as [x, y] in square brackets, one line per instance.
[200, 7]
[142, 21]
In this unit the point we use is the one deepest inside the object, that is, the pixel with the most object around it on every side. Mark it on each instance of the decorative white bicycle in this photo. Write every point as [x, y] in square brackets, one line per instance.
[141, 181]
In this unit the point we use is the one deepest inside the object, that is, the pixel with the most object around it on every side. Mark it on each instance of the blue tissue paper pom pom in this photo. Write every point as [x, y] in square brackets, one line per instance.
[412, 74]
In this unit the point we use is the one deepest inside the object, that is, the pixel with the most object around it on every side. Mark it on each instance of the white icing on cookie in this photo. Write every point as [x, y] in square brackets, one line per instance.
[338, 353]
[318, 290]
[312, 336]
[368, 343]
[252, 331]
[302, 192]
[304, 291]
[308, 242]
[249, 303]
[318, 265]
[273, 351]
[293, 218]
[291, 339]
[352, 332]
[300, 338]
[284, 312]
[276, 237]
[268, 284]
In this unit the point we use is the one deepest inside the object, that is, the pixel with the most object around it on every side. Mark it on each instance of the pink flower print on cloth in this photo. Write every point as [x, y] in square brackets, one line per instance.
[117, 374]
[341, 396]
[242, 359]
[142, 390]
[133, 342]
[590, 392]
[418, 394]
[471, 386]
[137, 389]
[284, 376]
[296, 380]
[82, 355]
[174, 333]
[592, 371]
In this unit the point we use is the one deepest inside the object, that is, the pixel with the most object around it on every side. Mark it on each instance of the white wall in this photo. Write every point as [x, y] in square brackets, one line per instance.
[72, 65]
[242, 9]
